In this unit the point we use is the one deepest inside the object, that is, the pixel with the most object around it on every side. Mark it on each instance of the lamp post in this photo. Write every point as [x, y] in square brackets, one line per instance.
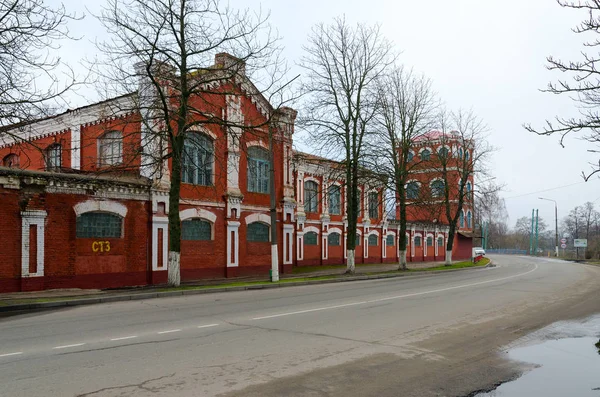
[555, 221]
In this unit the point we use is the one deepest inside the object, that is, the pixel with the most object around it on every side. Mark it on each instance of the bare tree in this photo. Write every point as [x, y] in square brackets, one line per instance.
[406, 105]
[342, 65]
[584, 88]
[169, 45]
[461, 156]
[32, 79]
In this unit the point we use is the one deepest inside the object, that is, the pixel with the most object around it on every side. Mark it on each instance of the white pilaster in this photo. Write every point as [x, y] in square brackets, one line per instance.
[160, 223]
[32, 218]
[233, 244]
[76, 147]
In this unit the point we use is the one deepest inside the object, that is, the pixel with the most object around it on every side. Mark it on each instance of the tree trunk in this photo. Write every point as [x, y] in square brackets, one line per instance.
[449, 246]
[402, 260]
[173, 270]
[350, 267]
[448, 258]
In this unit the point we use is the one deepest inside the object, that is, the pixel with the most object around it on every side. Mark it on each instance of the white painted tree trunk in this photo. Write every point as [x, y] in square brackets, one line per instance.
[274, 263]
[350, 263]
[448, 258]
[174, 274]
[402, 260]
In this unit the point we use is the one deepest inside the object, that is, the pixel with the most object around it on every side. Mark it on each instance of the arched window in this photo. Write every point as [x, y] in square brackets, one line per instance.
[258, 170]
[311, 238]
[390, 240]
[412, 190]
[357, 243]
[437, 188]
[196, 229]
[11, 160]
[258, 233]
[333, 239]
[373, 239]
[469, 219]
[373, 205]
[440, 241]
[443, 152]
[462, 219]
[99, 225]
[469, 187]
[311, 190]
[467, 155]
[417, 241]
[425, 155]
[197, 160]
[335, 200]
[110, 149]
[430, 241]
[53, 157]
[409, 156]
[460, 153]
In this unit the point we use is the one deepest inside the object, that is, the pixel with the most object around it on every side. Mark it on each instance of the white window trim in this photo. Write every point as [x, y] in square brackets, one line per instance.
[197, 213]
[100, 206]
[262, 218]
[257, 143]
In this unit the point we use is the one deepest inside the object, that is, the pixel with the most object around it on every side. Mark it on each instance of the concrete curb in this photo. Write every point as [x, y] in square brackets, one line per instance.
[166, 294]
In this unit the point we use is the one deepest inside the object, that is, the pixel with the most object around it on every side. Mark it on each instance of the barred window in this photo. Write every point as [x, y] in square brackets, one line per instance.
[197, 160]
[258, 233]
[258, 170]
[335, 200]
[429, 241]
[412, 190]
[425, 155]
[196, 229]
[390, 240]
[53, 157]
[437, 188]
[311, 190]
[110, 149]
[373, 205]
[99, 225]
[373, 239]
[417, 241]
[333, 239]
[310, 238]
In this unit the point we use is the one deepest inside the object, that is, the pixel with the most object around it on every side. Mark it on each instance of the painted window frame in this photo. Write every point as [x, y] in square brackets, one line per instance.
[373, 205]
[53, 157]
[311, 197]
[334, 195]
[310, 241]
[81, 233]
[251, 238]
[202, 221]
[337, 243]
[197, 163]
[258, 170]
[110, 149]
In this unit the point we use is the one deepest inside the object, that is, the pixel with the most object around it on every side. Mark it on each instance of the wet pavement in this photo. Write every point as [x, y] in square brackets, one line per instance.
[564, 362]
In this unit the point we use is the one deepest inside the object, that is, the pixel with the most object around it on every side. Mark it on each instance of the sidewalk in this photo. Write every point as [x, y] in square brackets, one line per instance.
[301, 276]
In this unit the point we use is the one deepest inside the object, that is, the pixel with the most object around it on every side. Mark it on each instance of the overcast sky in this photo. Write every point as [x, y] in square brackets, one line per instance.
[487, 56]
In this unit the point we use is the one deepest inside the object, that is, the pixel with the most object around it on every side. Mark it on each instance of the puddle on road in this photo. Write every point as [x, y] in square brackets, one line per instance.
[568, 366]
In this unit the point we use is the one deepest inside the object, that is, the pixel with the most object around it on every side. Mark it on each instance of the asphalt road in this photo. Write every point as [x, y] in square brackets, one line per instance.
[431, 335]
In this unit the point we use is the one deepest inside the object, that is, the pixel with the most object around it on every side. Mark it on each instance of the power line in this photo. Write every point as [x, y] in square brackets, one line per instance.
[551, 189]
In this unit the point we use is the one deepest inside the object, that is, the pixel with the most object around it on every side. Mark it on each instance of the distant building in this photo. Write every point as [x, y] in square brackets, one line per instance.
[427, 229]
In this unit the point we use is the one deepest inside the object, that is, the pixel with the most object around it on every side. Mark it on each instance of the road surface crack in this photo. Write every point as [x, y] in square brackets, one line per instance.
[142, 386]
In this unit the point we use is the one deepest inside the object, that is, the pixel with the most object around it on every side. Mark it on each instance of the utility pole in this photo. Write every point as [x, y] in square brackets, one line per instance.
[531, 234]
[555, 223]
[536, 231]
[273, 194]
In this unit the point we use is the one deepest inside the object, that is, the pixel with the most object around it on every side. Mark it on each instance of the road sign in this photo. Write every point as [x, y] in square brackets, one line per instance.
[580, 243]
[563, 240]
[563, 246]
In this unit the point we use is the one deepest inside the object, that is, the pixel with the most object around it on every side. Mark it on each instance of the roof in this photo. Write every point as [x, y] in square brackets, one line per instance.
[436, 134]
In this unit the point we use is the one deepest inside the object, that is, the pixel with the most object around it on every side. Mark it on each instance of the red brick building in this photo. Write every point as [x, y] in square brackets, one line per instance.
[82, 205]
[426, 217]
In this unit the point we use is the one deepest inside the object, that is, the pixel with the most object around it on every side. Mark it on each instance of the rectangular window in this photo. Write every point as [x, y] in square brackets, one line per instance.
[53, 157]
[311, 238]
[430, 241]
[417, 241]
[390, 240]
[333, 239]
[335, 201]
[358, 238]
[99, 225]
[373, 205]
[440, 241]
[196, 229]
[111, 148]
[373, 240]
